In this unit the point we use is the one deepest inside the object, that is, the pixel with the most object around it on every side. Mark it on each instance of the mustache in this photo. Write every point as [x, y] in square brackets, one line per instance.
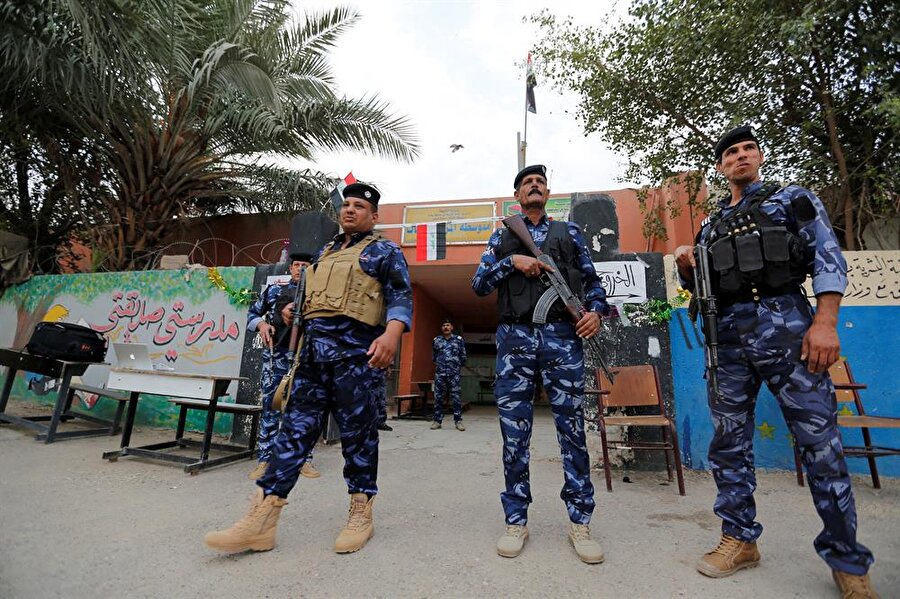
[534, 190]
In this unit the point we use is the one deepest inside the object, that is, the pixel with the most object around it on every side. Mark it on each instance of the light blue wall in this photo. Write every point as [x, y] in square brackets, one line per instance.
[870, 340]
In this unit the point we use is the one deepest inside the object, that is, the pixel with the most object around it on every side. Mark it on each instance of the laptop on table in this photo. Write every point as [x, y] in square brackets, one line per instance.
[133, 355]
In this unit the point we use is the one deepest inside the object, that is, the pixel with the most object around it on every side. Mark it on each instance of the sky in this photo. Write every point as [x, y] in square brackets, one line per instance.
[455, 68]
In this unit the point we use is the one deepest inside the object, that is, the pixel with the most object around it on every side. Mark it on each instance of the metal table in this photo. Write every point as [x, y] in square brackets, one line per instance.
[201, 391]
[46, 426]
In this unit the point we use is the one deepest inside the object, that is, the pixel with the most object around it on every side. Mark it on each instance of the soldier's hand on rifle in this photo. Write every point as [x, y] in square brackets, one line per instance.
[265, 333]
[528, 266]
[684, 260]
[588, 326]
[287, 314]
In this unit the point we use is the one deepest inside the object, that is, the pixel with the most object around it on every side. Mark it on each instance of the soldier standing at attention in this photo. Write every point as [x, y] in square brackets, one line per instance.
[763, 243]
[448, 352]
[358, 304]
[552, 353]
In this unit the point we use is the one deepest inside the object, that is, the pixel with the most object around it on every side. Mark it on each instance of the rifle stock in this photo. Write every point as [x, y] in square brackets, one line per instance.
[573, 306]
[704, 303]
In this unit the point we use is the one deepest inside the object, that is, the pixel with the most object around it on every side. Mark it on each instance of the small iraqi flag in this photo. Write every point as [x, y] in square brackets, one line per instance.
[431, 241]
[337, 194]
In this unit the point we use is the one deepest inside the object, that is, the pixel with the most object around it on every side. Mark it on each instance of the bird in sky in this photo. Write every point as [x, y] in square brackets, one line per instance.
[455, 147]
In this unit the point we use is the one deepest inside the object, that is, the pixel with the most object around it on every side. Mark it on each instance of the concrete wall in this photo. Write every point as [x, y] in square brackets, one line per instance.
[869, 330]
[188, 323]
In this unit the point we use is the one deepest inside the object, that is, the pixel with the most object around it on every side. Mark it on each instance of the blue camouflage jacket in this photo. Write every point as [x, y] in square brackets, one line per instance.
[491, 270]
[448, 355]
[264, 307]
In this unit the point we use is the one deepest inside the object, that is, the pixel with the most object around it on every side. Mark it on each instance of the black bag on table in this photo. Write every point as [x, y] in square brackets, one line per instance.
[68, 342]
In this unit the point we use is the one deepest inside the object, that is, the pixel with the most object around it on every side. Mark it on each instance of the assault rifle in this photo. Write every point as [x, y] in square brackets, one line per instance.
[557, 289]
[297, 320]
[703, 302]
[283, 391]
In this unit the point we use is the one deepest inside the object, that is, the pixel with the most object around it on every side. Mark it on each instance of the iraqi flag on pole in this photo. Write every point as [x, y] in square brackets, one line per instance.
[530, 84]
[337, 194]
[431, 241]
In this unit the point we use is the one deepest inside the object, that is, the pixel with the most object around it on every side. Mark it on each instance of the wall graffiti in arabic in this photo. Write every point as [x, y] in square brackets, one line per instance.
[130, 311]
[874, 277]
[624, 281]
[188, 324]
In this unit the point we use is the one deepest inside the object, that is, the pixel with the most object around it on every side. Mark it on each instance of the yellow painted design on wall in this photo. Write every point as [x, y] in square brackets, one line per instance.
[56, 313]
[457, 232]
[766, 431]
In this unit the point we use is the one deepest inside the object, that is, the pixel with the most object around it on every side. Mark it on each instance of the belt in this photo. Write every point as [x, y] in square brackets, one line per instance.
[755, 294]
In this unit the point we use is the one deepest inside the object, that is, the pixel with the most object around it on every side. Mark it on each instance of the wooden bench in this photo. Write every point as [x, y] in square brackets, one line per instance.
[118, 396]
[416, 409]
[221, 408]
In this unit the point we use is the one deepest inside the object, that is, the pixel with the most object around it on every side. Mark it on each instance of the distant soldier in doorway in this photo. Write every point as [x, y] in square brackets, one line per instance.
[448, 352]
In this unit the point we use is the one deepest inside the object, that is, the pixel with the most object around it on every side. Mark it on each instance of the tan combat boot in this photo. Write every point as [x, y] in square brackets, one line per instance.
[254, 531]
[853, 586]
[360, 526]
[728, 557]
[309, 471]
[512, 541]
[257, 472]
[587, 548]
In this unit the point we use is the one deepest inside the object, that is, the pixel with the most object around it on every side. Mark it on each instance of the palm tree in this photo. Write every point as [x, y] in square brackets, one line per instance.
[183, 100]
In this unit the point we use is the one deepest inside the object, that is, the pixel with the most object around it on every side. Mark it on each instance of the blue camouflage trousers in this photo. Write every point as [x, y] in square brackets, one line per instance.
[275, 364]
[382, 402]
[553, 353]
[445, 381]
[348, 388]
[763, 343]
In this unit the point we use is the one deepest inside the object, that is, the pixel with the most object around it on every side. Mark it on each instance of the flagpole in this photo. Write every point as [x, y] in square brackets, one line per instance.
[524, 147]
[525, 136]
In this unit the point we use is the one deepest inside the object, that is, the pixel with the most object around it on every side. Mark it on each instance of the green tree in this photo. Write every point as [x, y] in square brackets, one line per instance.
[182, 101]
[818, 78]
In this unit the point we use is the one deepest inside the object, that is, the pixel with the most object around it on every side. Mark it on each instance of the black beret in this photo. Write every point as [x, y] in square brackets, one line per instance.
[363, 191]
[446, 321]
[736, 135]
[534, 169]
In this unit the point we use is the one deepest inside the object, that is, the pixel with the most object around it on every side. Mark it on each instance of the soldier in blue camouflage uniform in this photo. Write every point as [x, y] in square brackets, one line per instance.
[551, 352]
[763, 243]
[448, 352]
[358, 304]
[264, 318]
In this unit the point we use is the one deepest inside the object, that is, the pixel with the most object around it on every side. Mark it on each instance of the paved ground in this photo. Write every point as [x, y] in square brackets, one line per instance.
[75, 526]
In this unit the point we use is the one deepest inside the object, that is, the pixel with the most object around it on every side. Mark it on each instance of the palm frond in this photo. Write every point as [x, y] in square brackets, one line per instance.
[363, 125]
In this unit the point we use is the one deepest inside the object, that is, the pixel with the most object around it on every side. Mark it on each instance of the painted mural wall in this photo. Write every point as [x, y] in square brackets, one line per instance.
[869, 329]
[188, 324]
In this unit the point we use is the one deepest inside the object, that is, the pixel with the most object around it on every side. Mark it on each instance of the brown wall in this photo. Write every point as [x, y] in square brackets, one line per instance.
[247, 240]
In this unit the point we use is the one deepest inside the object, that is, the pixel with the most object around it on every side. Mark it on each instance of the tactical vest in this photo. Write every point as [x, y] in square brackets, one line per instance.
[517, 295]
[337, 286]
[753, 257]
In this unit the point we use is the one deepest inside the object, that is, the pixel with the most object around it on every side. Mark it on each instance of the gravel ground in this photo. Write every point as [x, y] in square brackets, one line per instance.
[74, 525]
